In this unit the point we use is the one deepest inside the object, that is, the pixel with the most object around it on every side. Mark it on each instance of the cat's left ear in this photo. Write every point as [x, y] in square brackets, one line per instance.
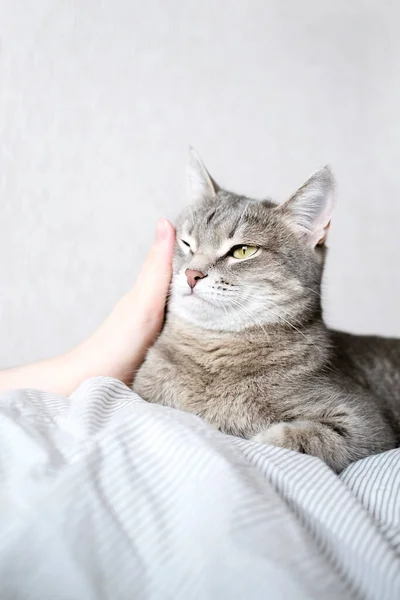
[200, 183]
[310, 209]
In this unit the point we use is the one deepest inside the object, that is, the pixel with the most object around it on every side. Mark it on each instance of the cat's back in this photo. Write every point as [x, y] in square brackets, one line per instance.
[373, 361]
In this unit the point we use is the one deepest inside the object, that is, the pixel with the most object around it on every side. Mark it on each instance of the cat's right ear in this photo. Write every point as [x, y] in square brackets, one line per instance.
[200, 183]
[309, 211]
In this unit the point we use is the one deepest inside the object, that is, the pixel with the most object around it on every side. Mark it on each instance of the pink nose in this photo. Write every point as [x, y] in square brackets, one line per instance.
[193, 277]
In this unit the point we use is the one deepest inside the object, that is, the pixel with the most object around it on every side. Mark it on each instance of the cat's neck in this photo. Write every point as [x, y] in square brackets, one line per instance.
[312, 331]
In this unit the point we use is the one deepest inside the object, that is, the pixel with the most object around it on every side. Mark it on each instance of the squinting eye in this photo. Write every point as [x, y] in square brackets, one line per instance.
[186, 243]
[243, 251]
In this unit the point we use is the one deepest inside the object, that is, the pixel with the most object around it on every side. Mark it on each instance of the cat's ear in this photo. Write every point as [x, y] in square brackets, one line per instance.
[200, 183]
[310, 209]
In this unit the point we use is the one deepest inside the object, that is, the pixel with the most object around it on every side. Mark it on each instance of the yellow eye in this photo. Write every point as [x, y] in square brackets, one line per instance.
[244, 251]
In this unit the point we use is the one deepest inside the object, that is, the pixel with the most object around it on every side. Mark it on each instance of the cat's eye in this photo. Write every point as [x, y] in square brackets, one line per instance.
[243, 251]
[186, 247]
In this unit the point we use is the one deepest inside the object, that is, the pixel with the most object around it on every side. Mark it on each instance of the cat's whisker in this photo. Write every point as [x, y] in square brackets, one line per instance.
[256, 294]
[255, 321]
[257, 287]
[252, 316]
[275, 314]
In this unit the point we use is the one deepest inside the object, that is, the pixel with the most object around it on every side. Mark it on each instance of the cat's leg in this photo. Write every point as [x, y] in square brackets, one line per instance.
[326, 441]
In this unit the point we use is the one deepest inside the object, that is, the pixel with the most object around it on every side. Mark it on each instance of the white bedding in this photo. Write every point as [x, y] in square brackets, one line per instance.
[105, 496]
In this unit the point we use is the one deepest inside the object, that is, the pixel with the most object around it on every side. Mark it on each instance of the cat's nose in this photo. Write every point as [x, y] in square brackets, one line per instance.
[193, 277]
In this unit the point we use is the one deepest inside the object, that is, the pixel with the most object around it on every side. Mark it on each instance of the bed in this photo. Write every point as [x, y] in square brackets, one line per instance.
[103, 495]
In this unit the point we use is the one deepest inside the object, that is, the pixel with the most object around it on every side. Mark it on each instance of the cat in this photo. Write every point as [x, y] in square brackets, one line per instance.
[244, 344]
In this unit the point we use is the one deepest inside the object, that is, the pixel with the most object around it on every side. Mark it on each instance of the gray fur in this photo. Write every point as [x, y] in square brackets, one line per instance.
[247, 349]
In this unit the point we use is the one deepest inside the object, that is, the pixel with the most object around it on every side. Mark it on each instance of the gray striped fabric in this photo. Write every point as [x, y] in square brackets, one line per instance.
[105, 496]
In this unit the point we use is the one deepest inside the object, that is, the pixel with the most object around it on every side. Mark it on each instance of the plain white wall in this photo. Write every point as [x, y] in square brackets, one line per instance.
[99, 101]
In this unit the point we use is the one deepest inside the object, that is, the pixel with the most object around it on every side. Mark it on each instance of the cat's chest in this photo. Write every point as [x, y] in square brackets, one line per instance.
[226, 387]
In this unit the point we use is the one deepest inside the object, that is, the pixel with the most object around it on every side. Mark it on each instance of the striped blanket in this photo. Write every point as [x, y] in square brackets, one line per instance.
[104, 496]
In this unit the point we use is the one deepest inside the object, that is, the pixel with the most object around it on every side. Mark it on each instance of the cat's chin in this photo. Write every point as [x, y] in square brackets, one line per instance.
[194, 303]
[197, 310]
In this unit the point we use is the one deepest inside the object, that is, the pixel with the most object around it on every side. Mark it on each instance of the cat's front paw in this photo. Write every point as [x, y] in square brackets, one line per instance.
[284, 435]
[309, 437]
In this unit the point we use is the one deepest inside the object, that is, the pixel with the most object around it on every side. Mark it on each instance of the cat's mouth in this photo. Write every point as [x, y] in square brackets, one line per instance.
[195, 295]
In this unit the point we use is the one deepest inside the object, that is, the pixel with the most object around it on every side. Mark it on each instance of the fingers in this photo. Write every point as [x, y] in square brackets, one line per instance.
[161, 253]
[153, 282]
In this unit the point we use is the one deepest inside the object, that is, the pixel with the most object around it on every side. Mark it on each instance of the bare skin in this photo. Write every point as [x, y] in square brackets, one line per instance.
[117, 348]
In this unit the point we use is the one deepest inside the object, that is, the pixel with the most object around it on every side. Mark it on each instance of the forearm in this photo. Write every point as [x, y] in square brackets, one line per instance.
[116, 349]
[57, 375]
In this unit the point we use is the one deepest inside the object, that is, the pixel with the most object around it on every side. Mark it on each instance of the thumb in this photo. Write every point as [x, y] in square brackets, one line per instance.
[155, 276]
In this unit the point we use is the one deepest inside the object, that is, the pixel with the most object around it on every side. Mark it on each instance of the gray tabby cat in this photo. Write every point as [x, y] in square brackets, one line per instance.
[244, 344]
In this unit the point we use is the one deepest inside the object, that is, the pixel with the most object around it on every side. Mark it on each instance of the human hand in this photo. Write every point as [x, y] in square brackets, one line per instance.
[118, 347]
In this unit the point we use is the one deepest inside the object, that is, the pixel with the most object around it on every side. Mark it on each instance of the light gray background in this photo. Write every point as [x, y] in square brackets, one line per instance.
[99, 101]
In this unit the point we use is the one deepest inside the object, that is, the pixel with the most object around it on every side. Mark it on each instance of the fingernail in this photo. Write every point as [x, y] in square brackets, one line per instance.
[161, 230]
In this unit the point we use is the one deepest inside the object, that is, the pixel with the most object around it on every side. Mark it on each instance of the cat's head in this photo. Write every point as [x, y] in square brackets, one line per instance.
[241, 263]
